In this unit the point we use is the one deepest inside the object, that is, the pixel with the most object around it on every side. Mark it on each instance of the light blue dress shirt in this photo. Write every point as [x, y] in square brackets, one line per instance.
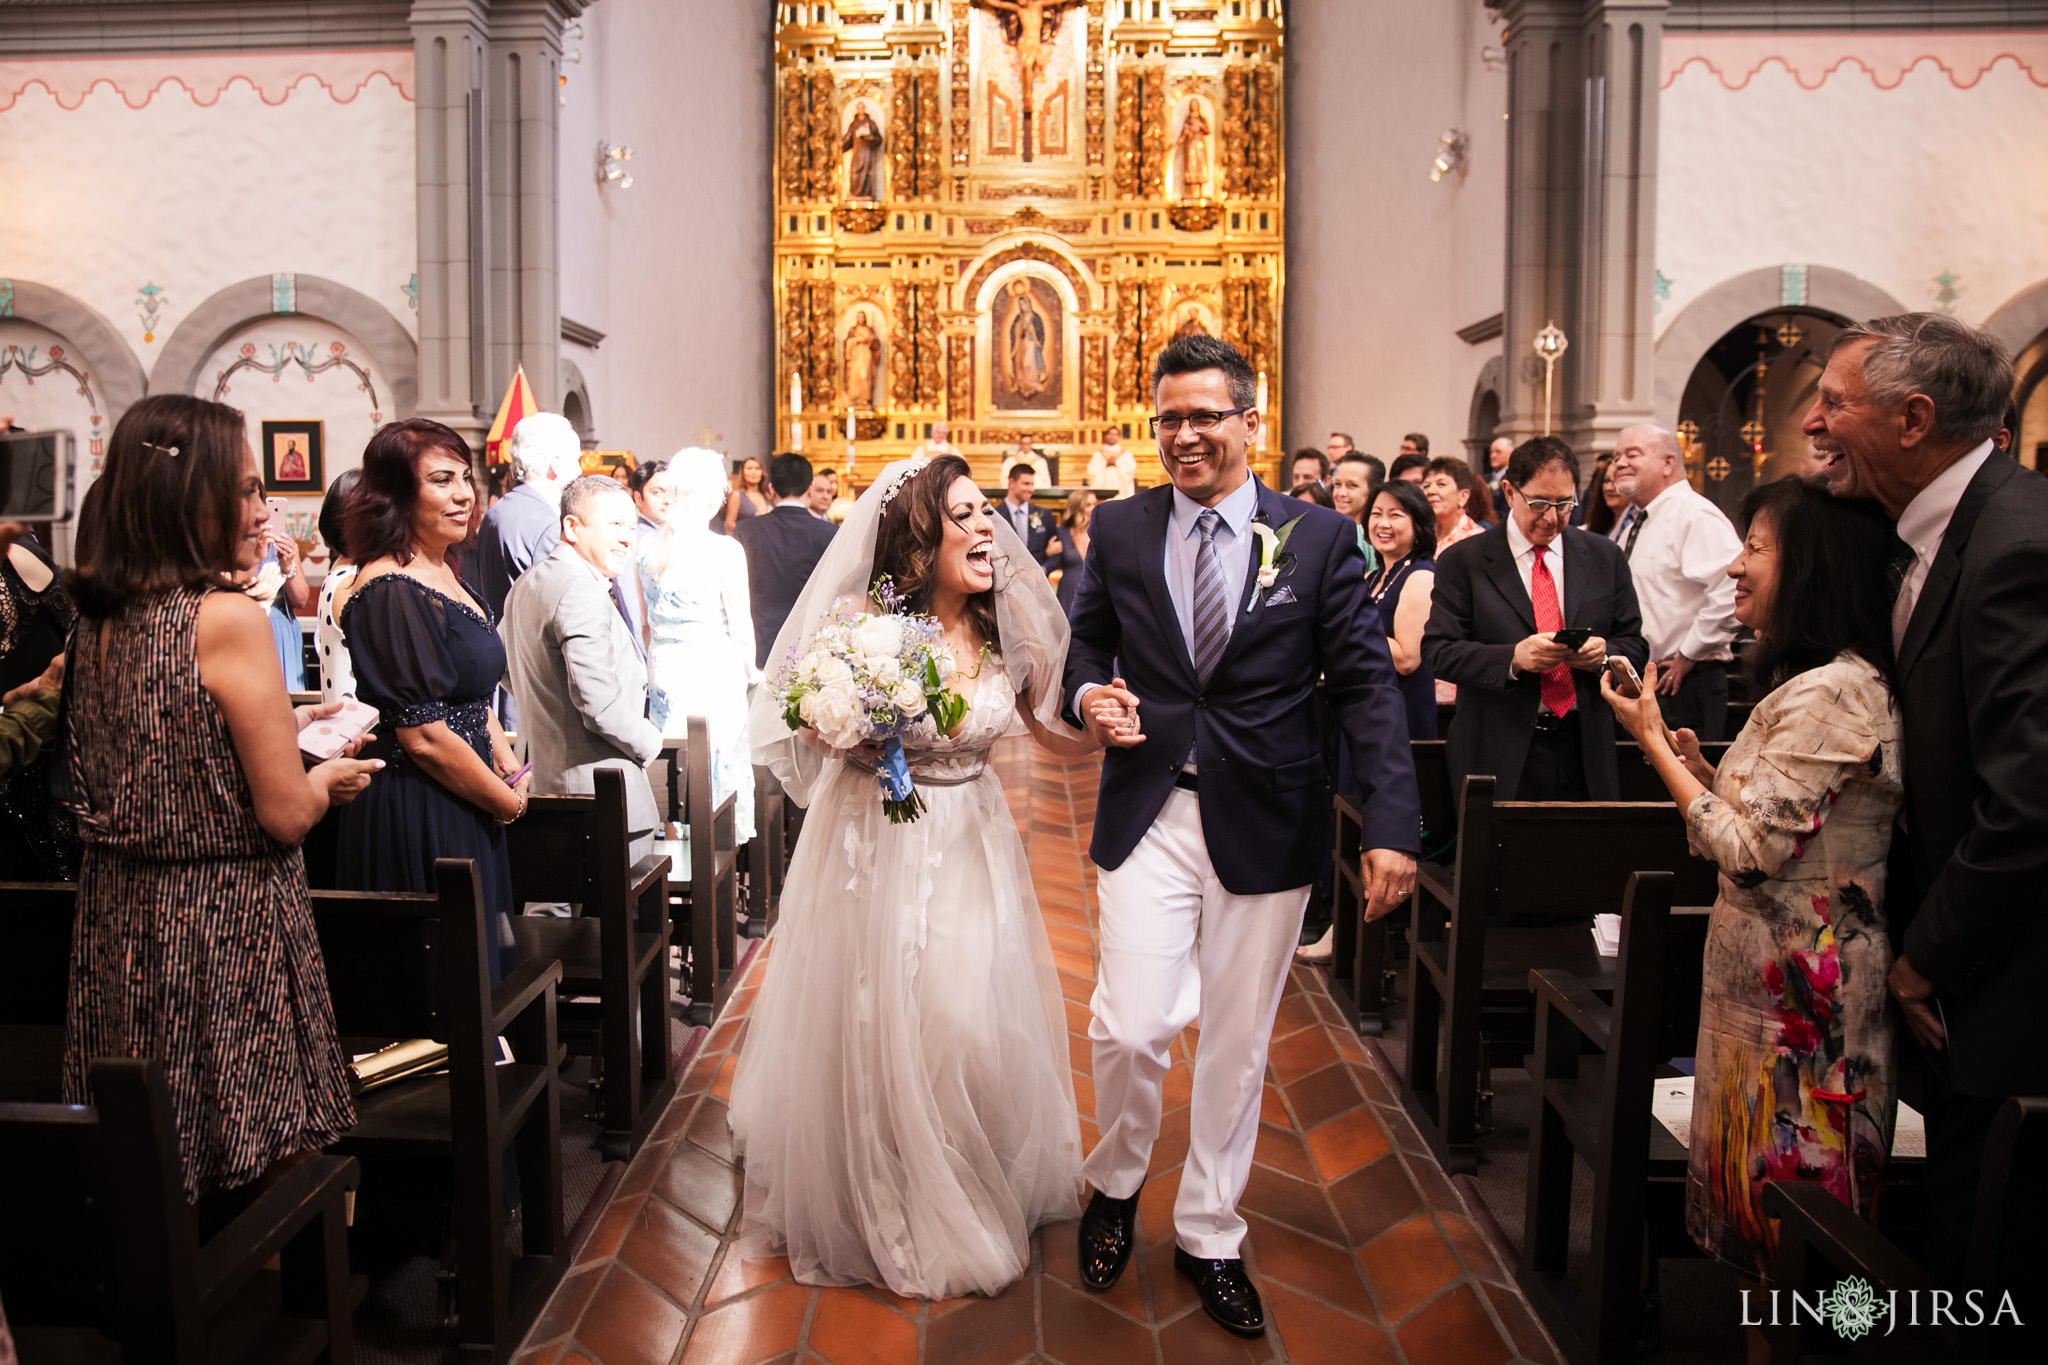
[1184, 548]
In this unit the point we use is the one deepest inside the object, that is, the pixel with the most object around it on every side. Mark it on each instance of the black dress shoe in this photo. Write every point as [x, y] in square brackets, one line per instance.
[1108, 1228]
[1228, 1294]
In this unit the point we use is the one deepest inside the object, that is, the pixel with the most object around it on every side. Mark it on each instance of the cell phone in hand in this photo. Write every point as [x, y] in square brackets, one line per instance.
[1572, 637]
[513, 780]
[325, 738]
[279, 523]
[1624, 676]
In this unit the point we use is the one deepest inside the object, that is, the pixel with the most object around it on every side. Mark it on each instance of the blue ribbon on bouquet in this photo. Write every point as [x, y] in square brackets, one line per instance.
[900, 800]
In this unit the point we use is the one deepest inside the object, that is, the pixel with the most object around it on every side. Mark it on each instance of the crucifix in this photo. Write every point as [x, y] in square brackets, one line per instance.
[1030, 26]
[708, 437]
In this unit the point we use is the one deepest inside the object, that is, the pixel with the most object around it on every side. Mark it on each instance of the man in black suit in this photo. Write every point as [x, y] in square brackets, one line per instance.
[782, 549]
[1033, 525]
[1906, 414]
[1529, 709]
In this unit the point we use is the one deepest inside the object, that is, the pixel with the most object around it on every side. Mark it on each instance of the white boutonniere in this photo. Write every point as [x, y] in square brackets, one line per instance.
[1271, 544]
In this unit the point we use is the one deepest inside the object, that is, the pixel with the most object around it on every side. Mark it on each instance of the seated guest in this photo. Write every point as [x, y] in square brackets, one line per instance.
[194, 939]
[1033, 525]
[1315, 493]
[575, 665]
[521, 529]
[1529, 709]
[1066, 564]
[427, 656]
[38, 841]
[823, 493]
[1677, 550]
[1309, 465]
[940, 442]
[1402, 529]
[1448, 483]
[700, 629]
[1795, 1076]
[1497, 452]
[1352, 486]
[749, 495]
[781, 549]
[1409, 468]
[1027, 453]
[337, 677]
[1110, 467]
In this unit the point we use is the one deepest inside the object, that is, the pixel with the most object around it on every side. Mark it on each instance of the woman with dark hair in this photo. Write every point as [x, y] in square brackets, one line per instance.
[426, 654]
[1603, 502]
[1795, 1062]
[1402, 527]
[337, 674]
[1448, 484]
[905, 1102]
[749, 495]
[194, 940]
[1073, 543]
[1315, 493]
[37, 840]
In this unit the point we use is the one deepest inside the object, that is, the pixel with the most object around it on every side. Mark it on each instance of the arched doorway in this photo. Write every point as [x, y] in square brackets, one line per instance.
[1743, 404]
[1484, 418]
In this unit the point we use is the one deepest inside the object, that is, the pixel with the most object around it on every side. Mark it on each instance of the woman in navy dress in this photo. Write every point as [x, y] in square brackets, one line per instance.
[1073, 543]
[427, 657]
[1402, 528]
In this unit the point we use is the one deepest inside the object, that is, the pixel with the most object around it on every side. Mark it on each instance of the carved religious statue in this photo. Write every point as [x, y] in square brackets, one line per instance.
[863, 362]
[1024, 344]
[864, 169]
[1194, 153]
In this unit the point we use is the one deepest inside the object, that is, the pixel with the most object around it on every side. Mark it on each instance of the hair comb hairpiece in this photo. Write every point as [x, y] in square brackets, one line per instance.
[171, 451]
[909, 471]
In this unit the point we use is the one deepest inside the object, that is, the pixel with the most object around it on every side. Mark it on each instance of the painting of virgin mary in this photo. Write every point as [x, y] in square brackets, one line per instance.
[1025, 345]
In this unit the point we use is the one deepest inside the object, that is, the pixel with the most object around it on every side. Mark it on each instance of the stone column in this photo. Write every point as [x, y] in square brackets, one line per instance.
[1582, 177]
[449, 41]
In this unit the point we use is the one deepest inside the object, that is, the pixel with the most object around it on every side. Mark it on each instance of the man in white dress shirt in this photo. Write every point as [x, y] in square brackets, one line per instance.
[1678, 546]
[1113, 466]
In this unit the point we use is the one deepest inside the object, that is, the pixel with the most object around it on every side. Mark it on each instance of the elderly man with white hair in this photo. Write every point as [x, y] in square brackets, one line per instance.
[700, 627]
[1678, 548]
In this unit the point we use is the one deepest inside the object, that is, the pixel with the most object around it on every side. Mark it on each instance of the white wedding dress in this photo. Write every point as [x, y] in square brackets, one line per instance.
[904, 1103]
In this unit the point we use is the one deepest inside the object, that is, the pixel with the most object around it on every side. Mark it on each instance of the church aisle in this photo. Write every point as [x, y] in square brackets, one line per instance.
[1362, 1249]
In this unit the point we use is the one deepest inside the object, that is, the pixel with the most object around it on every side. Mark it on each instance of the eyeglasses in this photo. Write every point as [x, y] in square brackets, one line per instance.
[1544, 506]
[1169, 424]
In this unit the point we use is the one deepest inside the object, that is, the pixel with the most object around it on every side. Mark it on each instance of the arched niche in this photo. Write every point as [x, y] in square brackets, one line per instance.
[576, 404]
[1483, 417]
[95, 360]
[1039, 283]
[204, 330]
[1723, 417]
[1733, 301]
[2022, 324]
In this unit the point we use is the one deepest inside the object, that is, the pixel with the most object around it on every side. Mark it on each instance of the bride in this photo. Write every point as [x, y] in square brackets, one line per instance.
[904, 1101]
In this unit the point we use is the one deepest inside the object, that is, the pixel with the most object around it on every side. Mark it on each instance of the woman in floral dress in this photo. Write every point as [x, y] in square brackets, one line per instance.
[1795, 1060]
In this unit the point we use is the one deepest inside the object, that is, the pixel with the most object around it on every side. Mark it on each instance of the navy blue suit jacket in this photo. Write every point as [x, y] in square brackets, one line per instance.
[518, 533]
[783, 545]
[1045, 528]
[1264, 788]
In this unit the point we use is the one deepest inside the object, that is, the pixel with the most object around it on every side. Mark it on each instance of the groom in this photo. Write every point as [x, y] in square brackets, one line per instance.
[1214, 815]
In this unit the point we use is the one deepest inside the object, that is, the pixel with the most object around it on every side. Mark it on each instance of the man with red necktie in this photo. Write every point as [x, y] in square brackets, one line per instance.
[1529, 709]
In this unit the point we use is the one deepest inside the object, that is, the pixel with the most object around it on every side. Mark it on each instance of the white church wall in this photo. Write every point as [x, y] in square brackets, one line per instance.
[1383, 266]
[142, 185]
[1899, 158]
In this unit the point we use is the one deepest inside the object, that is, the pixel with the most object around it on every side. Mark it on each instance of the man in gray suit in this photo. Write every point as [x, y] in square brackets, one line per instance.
[577, 669]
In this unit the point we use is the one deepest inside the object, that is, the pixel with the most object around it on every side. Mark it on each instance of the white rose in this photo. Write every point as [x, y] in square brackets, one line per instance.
[833, 671]
[887, 673]
[836, 717]
[879, 637]
[909, 698]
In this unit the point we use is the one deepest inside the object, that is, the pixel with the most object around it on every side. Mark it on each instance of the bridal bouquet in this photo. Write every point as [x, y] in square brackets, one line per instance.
[863, 677]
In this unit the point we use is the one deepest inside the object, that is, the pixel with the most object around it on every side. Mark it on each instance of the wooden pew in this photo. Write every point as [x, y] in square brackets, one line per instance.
[100, 1260]
[1639, 781]
[1361, 977]
[1595, 1106]
[403, 965]
[574, 849]
[767, 853]
[1544, 861]
[35, 972]
[706, 907]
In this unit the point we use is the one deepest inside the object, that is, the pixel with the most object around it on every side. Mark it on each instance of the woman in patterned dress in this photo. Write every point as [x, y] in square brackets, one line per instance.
[194, 942]
[1794, 1061]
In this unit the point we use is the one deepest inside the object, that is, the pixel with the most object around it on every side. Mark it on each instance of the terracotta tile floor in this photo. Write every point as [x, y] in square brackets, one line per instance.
[1362, 1249]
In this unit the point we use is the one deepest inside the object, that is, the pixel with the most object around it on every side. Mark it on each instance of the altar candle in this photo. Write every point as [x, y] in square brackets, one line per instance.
[796, 394]
[849, 426]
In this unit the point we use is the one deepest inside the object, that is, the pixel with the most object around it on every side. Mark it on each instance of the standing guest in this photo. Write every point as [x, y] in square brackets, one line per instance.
[337, 675]
[1034, 526]
[1376, 468]
[1027, 453]
[940, 442]
[1529, 708]
[279, 586]
[427, 656]
[1497, 452]
[1415, 443]
[1795, 1076]
[1907, 409]
[1309, 465]
[1604, 502]
[522, 528]
[1410, 467]
[700, 630]
[1066, 564]
[1315, 493]
[1678, 548]
[194, 939]
[579, 671]
[38, 841]
[824, 490]
[781, 549]
[1447, 483]
[1352, 486]
[653, 490]
[749, 495]
[1402, 529]
[1339, 445]
[1113, 466]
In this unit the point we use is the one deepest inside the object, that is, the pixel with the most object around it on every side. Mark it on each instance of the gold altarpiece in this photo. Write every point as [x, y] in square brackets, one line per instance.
[996, 212]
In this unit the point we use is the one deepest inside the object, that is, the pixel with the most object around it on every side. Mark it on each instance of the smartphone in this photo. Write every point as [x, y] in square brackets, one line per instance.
[279, 522]
[1624, 676]
[323, 739]
[1573, 637]
[35, 475]
[513, 780]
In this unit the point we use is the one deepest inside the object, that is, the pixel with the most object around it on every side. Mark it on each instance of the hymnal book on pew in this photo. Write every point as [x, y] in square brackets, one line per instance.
[398, 1062]
[1607, 935]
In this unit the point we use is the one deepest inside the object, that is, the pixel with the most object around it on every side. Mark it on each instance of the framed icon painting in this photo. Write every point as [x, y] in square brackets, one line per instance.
[292, 458]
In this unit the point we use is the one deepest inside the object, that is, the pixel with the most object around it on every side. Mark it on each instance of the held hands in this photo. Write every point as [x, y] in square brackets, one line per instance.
[1113, 716]
[1915, 994]
[1389, 878]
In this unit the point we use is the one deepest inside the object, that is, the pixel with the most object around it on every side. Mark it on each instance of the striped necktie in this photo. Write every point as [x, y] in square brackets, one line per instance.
[1212, 611]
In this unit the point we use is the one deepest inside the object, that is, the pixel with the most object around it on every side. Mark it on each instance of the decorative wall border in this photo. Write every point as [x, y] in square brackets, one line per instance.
[274, 76]
[100, 351]
[1886, 58]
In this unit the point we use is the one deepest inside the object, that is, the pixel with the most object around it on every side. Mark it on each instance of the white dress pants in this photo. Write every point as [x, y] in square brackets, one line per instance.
[1177, 949]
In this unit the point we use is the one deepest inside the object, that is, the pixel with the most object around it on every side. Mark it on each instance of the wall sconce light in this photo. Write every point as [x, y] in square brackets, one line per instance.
[611, 166]
[1451, 156]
